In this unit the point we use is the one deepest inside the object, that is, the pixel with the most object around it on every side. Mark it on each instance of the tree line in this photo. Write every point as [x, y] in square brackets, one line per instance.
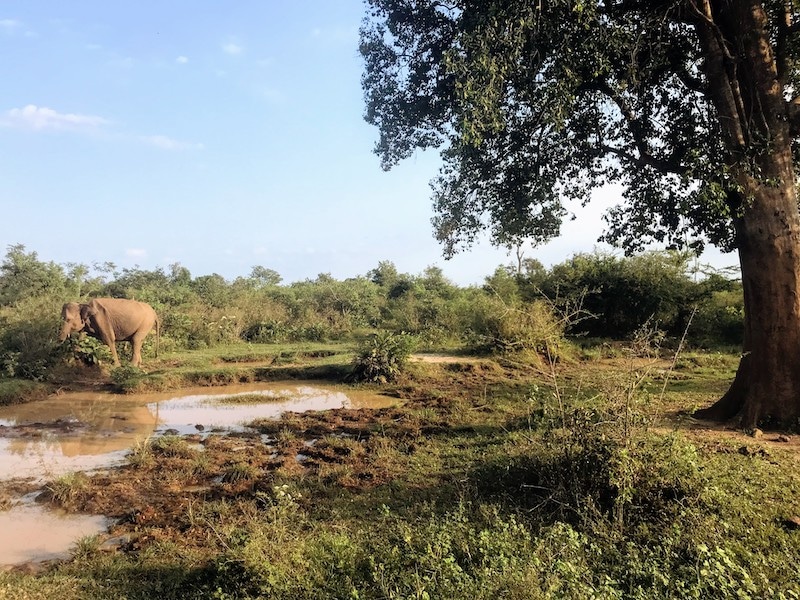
[588, 296]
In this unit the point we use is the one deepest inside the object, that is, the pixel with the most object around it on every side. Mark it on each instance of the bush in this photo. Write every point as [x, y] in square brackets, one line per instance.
[128, 378]
[28, 344]
[501, 328]
[89, 351]
[382, 357]
[719, 320]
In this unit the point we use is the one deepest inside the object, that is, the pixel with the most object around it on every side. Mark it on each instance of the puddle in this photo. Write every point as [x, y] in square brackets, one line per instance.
[34, 534]
[85, 431]
[186, 413]
[89, 431]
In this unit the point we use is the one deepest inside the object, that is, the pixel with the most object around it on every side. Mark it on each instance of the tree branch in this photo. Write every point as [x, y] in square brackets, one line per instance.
[671, 164]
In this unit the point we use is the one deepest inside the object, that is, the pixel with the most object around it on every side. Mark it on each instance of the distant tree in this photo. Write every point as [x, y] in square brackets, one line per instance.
[385, 274]
[692, 105]
[265, 277]
[504, 283]
[22, 275]
[434, 281]
[212, 289]
[179, 275]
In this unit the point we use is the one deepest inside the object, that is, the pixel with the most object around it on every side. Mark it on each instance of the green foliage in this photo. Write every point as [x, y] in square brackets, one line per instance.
[382, 358]
[623, 293]
[88, 350]
[28, 344]
[505, 315]
[23, 275]
[17, 391]
[517, 96]
[127, 378]
[614, 295]
[518, 327]
[65, 489]
[719, 319]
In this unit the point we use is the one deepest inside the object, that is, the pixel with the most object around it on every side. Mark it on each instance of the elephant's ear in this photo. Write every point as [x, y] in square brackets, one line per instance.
[87, 313]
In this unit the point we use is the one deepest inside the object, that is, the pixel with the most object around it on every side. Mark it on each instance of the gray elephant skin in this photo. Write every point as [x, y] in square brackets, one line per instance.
[112, 320]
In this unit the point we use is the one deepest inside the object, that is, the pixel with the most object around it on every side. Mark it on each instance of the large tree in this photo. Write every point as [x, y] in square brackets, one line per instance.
[691, 104]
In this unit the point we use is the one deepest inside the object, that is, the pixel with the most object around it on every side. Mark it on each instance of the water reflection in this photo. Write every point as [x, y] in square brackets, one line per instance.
[84, 431]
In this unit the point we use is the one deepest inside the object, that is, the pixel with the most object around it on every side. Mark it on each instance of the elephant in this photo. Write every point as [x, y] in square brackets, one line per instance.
[112, 320]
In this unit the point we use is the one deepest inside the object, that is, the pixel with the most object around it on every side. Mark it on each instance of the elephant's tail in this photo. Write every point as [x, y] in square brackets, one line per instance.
[158, 334]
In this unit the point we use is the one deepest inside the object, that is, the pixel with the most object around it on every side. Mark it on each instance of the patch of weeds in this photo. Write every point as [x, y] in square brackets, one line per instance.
[285, 436]
[18, 391]
[128, 379]
[254, 398]
[172, 446]
[66, 489]
[202, 465]
[382, 358]
[240, 471]
[141, 453]
[87, 547]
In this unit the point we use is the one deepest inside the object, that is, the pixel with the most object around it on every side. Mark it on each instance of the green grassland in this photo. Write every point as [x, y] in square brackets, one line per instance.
[550, 454]
[489, 478]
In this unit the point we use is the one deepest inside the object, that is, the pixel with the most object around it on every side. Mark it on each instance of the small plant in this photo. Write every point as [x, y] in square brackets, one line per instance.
[65, 489]
[128, 378]
[141, 453]
[239, 472]
[87, 547]
[382, 357]
[88, 350]
[171, 445]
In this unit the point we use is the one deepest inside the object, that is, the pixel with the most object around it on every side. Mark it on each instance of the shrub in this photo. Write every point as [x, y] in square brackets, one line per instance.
[382, 357]
[127, 378]
[501, 328]
[89, 350]
[28, 344]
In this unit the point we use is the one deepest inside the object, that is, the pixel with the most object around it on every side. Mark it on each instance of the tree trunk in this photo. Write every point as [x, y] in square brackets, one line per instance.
[767, 384]
[744, 86]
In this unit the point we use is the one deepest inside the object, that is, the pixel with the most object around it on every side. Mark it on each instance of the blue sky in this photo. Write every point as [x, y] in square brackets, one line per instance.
[217, 135]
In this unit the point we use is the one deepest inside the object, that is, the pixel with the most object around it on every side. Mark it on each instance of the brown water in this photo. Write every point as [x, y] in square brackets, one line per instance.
[32, 534]
[88, 431]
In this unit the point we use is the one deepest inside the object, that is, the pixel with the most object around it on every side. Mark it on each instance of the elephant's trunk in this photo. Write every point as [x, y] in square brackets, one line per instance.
[65, 331]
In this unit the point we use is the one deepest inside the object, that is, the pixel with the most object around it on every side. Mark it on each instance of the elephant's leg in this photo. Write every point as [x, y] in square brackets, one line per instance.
[136, 344]
[112, 345]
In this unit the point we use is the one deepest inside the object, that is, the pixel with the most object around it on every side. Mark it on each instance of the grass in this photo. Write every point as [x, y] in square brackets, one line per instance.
[489, 480]
[233, 364]
[253, 398]
[65, 490]
[18, 391]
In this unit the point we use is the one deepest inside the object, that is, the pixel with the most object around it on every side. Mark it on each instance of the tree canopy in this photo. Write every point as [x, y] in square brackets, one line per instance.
[690, 104]
[534, 103]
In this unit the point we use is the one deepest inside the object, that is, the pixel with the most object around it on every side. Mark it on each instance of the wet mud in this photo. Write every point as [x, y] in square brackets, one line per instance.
[91, 432]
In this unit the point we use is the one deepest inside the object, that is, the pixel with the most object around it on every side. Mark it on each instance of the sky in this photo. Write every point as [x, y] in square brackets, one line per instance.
[220, 136]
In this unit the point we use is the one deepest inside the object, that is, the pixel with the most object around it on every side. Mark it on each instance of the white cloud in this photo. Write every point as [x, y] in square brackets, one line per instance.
[41, 118]
[135, 252]
[182, 60]
[9, 25]
[232, 48]
[168, 143]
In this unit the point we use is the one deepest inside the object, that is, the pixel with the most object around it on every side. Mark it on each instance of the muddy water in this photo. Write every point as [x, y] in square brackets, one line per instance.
[84, 431]
[87, 431]
[32, 534]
